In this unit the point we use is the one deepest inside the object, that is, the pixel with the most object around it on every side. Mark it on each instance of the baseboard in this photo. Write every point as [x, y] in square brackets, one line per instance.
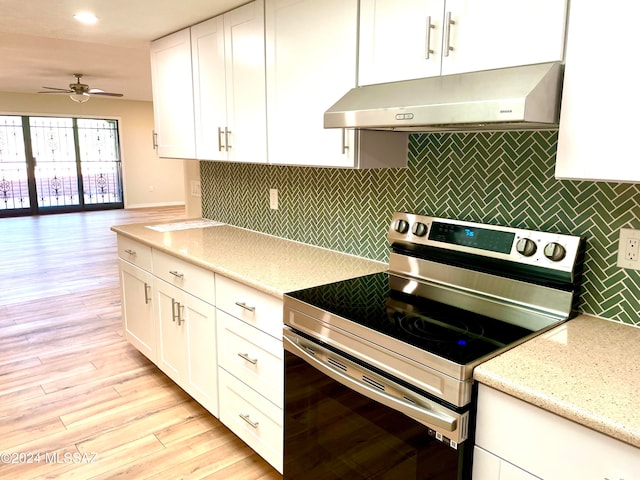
[154, 205]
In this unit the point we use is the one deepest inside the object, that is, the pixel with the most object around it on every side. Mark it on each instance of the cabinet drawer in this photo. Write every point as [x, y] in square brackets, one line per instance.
[252, 356]
[259, 309]
[198, 281]
[134, 252]
[254, 419]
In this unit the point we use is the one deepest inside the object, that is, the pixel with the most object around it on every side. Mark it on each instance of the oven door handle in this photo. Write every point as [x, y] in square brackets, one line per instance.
[424, 416]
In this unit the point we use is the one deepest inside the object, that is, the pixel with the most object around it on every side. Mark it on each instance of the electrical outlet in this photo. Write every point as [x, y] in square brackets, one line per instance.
[195, 189]
[629, 249]
[273, 199]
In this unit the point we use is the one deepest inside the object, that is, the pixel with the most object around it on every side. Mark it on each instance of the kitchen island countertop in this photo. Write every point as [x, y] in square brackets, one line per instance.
[586, 370]
[270, 264]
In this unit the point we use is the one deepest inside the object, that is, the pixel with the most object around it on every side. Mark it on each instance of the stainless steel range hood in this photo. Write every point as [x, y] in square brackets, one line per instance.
[524, 98]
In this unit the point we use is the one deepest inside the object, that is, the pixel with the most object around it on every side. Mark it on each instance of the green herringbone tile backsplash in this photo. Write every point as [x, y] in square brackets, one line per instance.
[495, 177]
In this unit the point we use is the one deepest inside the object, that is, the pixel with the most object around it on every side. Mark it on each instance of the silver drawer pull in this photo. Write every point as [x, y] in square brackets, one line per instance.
[245, 306]
[249, 421]
[248, 358]
[176, 273]
[130, 252]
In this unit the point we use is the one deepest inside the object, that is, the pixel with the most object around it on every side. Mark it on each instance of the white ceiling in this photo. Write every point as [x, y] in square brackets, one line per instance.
[42, 45]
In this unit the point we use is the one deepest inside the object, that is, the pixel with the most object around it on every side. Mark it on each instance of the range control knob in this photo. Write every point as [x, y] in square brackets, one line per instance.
[402, 226]
[419, 229]
[554, 251]
[526, 247]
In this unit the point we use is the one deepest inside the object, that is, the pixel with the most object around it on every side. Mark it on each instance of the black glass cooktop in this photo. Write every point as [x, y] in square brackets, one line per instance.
[458, 335]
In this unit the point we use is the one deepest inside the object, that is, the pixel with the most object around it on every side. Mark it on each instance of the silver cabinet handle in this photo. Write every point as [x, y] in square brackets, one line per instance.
[154, 139]
[130, 252]
[248, 358]
[220, 139]
[177, 310]
[246, 307]
[427, 50]
[175, 273]
[181, 318]
[345, 147]
[147, 296]
[246, 418]
[447, 34]
[227, 143]
[174, 304]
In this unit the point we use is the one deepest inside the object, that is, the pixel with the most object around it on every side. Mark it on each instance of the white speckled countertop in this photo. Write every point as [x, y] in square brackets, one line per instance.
[269, 264]
[586, 370]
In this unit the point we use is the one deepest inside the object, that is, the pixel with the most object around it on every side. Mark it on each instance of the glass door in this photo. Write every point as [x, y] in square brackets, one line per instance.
[55, 161]
[14, 178]
[51, 164]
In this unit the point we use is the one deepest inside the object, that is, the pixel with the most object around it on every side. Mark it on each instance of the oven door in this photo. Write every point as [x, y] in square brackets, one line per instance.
[343, 420]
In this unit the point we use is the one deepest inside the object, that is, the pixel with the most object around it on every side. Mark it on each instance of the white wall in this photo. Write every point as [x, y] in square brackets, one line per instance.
[148, 180]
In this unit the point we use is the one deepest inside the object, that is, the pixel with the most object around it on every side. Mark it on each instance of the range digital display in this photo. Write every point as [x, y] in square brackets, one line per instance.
[474, 237]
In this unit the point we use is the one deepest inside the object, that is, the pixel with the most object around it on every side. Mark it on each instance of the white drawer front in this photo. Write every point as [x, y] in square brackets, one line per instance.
[259, 309]
[134, 252]
[257, 421]
[252, 356]
[198, 281]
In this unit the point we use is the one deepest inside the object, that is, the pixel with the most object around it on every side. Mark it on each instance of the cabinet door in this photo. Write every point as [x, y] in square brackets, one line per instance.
[172, 339]
[597, 133]
[201, 378]
[311, 63]
[245, 77]
[173, 95]
[209, 88]
[491, 34]
[569, 450]
[396, 42]
[137, 309]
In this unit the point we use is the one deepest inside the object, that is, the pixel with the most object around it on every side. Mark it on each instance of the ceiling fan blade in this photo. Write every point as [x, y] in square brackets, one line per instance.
[105, 94]
[57, 90]
[60, 91]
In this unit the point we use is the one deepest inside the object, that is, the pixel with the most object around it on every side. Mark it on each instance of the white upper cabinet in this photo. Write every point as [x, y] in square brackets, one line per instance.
[405, 39]
[173, 96]
[396, 42]
[311, 63]
[600, 96]
[229, 86]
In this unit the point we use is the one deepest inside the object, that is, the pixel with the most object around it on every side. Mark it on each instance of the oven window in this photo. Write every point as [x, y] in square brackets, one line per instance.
[332, 432]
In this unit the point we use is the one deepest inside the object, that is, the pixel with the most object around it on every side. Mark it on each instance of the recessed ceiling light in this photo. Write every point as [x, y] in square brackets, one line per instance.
[87, 18]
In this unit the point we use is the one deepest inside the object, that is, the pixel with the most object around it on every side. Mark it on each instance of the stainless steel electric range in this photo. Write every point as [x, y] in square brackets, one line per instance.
[378, 369]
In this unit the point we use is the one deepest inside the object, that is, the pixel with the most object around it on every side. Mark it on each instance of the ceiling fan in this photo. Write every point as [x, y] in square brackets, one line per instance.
[80, 92]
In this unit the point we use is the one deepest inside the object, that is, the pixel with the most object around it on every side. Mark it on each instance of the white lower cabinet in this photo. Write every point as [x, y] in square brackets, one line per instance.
[252, 356]
[137, 308]
[519, 441]
[251, 368]
[252, 417]
[187, 343]
[218, 339]
[487, 466]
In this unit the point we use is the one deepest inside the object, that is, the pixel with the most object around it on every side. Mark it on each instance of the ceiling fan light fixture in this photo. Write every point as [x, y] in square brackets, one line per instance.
[86, 18]
[80, 97]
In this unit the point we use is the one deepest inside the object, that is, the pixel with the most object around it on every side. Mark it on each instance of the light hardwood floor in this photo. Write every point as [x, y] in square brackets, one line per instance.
[76, 400]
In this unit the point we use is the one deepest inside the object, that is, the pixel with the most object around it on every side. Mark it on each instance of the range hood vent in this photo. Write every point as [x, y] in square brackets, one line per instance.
[522, 98]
